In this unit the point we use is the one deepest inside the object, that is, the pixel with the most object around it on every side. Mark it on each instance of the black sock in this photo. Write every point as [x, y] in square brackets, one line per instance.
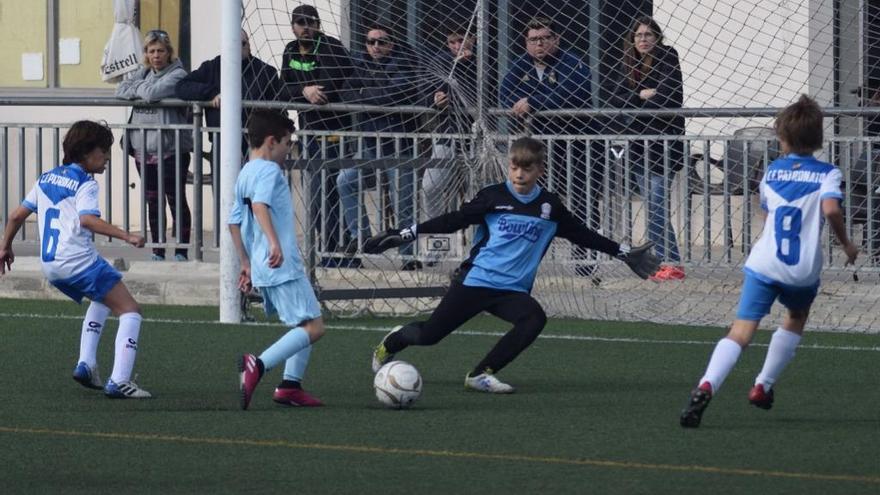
[290, 384]
[261, 367]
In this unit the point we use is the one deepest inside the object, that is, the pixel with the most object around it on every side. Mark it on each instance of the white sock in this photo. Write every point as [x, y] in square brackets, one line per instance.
[126, 346]
[92, 328]
[721, 363]
[781, 351]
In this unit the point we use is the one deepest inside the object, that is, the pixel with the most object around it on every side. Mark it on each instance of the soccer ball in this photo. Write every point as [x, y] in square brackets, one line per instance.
[398, 385]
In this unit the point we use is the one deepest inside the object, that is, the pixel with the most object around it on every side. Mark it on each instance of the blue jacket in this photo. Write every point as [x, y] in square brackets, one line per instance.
[566, 84]
[389, 82]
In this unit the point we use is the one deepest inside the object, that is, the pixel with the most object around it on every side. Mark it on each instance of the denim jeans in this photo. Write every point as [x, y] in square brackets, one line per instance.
[654, 189]
[327, 224]
[401, 186]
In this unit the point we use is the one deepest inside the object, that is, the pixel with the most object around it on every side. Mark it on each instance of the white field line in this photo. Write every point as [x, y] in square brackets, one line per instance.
[362, 328]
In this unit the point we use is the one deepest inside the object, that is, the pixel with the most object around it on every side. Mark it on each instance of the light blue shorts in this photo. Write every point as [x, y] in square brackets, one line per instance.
[294, 301]
[758, 296]
[94, 282]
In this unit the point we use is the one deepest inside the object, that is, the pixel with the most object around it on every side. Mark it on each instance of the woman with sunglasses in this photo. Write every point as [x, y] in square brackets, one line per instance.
[154, 150]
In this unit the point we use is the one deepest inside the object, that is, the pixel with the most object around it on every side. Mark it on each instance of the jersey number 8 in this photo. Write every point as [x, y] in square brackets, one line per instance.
[788, 230]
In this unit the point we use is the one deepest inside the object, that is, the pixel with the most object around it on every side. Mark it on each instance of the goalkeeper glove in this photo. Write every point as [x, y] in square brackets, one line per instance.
[640, 259]
[389, 239]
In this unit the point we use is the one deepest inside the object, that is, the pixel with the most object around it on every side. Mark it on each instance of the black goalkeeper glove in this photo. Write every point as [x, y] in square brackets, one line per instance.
[640, 259]
[389, 239]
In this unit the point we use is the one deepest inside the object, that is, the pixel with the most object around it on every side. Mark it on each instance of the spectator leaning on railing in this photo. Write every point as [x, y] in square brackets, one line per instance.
[314, 69]
[154, 82]
[259, 81]
[547, 77]
[651, 79]
[384, 76]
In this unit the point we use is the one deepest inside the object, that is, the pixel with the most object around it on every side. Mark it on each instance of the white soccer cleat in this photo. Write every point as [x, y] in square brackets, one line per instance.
[381, 356]
[125, 390]
[484, 382]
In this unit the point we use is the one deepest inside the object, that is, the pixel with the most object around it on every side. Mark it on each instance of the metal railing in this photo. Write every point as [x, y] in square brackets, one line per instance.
[711, 204]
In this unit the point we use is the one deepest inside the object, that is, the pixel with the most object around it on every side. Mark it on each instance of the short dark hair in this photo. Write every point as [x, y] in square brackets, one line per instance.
[82, 138]
[526, 151]
[800, 126]
[264, 123]
[379, 27]
[539, 23]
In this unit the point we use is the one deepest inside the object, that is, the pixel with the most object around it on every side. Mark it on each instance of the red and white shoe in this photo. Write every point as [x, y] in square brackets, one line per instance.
[250, 376]
[761, 398]
[668, 272]
[296, 397]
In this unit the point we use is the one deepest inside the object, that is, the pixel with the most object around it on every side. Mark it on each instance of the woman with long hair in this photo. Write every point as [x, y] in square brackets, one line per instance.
[651, 79]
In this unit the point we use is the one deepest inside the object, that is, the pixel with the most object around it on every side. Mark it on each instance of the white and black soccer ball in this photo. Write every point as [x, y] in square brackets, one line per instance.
[398, 384]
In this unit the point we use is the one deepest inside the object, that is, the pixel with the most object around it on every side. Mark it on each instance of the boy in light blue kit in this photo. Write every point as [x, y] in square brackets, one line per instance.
[262, 227]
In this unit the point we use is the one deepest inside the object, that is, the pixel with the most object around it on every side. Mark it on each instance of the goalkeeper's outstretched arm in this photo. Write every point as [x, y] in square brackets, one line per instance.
[471, 213]
[640, 259]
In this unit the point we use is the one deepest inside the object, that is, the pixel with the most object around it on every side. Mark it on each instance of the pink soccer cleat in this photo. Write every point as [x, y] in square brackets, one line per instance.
[296, 397]
[250, 376]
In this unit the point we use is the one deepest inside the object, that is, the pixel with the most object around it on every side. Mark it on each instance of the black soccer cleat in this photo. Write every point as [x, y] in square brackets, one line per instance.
[697, 404]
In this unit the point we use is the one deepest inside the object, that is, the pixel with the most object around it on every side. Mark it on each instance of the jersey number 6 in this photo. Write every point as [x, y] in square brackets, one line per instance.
[50, 235]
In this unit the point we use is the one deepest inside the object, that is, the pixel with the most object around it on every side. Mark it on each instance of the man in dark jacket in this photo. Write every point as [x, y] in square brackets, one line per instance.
[547, 77]
[259, 81]
[314, 70]
[384, 76]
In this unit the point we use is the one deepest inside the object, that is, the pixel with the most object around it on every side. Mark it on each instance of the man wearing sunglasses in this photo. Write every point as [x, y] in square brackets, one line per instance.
[314, 70]
[384, 76]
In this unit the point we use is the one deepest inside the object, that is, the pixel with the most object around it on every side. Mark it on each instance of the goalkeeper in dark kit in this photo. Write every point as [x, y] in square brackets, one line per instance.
[517, 220]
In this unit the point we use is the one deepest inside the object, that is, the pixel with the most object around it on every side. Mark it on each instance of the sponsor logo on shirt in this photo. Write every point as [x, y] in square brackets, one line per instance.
[504, 207]
[512, 229]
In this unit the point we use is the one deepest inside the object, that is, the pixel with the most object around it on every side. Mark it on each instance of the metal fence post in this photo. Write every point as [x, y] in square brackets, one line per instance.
[197, 235]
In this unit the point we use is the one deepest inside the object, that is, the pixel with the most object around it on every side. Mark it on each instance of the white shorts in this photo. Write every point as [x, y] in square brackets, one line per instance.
[294, 301]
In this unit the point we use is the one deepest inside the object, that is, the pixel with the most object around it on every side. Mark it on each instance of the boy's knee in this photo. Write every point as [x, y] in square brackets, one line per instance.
[315, 329]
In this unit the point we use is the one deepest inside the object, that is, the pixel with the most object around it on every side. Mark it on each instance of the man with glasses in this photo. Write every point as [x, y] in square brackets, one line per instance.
[547, 77]
[384, 76]
[259, 81]
[314, 70]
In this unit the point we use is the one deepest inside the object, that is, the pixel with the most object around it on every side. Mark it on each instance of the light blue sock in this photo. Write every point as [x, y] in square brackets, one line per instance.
[295, 366]
[289, 344]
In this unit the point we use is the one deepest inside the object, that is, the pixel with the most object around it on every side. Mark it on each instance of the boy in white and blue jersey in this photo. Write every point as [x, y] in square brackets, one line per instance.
[798, 193]
[516, 221]
[262, 227]
[65, 200]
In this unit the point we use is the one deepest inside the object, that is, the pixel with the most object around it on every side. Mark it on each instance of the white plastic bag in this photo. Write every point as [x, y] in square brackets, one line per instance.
[124, 50]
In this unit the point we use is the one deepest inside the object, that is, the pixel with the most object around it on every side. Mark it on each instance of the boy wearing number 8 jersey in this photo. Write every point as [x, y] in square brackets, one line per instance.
[66, 202]
[798, 192]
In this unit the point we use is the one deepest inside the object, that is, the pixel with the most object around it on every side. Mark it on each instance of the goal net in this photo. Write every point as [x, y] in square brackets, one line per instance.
[655, 132]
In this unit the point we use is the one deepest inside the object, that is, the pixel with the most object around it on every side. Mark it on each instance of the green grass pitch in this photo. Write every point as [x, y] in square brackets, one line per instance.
[596, 411]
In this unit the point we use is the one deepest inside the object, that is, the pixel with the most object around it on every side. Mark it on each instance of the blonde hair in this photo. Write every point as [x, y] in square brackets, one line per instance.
[158, 36]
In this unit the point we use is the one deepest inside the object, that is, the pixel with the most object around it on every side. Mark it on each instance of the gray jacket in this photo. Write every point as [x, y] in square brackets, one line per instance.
[148, 85]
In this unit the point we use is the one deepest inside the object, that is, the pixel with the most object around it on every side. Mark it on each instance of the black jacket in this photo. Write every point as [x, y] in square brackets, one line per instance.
[389, 82]
[259, 81]
[665, 77]
[332, 68]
